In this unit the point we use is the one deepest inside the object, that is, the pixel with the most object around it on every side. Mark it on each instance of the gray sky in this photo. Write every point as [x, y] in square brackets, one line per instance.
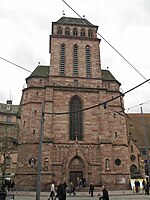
[24, 39]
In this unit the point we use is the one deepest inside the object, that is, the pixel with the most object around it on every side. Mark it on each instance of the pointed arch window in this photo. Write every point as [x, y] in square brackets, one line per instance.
[76, 119]
[90, 33]
[67, 31]
[82, 33]
[75, 32]
[62, 59]
[88, 61]
[59, 30]
[75, 60]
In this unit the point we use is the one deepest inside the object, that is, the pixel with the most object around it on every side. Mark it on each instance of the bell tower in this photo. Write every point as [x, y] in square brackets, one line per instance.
[75, 52]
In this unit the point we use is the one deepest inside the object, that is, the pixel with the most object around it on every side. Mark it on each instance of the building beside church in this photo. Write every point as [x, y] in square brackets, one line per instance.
[83, 133]
[9, 132]
[138, 131]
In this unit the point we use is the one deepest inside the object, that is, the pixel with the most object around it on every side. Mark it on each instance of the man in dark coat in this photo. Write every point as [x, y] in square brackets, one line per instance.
[105, 193]
[59, 191]
[91, 189]
[64, 187]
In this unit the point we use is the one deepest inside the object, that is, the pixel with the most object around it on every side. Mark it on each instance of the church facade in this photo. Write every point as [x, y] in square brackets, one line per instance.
[83, 134]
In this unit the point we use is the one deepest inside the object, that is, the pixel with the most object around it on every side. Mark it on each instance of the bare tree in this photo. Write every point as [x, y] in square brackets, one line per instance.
[8, 145]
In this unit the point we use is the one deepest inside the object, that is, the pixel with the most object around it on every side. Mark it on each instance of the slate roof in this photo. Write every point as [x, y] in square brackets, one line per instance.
[75, 21]
[107, 76]
[13, 109]
[40, 71]
[43, 71]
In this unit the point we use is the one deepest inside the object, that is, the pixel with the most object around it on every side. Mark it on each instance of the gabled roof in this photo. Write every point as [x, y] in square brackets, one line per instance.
[40, 71]
[75, 21]
[107, 76]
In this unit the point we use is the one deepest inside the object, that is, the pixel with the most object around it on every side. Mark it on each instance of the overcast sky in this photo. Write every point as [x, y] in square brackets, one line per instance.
[25, 26]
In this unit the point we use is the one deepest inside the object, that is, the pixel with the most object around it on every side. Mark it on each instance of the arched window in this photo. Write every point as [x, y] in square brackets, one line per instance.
[59, 30]
[133, 168]
[75, 32]
[46, 164]
[88, 61]
[62, 59]
[90, 33]
[76, 119]
[67, 31]
[82, 33]
[75, 60]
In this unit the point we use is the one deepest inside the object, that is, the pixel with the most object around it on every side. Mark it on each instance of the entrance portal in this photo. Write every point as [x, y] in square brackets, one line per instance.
[76, 169]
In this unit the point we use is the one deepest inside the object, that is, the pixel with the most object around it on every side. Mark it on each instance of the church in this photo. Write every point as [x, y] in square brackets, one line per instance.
[83, 132]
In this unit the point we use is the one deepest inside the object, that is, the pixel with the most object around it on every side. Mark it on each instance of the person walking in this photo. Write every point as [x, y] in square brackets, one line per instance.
[137, 186]
[52, 193]
[105, 193]
[59, 191]
[64, 187]
[72, 190]
[143, 185]
[91, 189]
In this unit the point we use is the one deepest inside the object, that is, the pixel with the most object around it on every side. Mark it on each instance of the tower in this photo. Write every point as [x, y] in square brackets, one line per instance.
[81, 137]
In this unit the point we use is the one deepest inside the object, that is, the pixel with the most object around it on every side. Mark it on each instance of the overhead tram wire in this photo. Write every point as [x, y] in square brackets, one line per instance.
[15, 65]
[137, 105]
[88, 108]
[87, 22]
[99, 104]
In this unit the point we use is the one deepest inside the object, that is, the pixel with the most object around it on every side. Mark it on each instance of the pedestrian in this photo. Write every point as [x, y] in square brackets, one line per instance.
[137, 185]
[83, 182]
[91, 189]
[59, 191]
[143, 185]
[78, 183]
[64, 187]
[72, 189]
[147, 186]
[52, 192]
[105, 193]
[12, 185]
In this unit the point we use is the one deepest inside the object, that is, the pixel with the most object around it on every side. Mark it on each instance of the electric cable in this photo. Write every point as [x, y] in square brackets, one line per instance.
[15, 64]
[88, 23]
[99, 104]
[138, 105]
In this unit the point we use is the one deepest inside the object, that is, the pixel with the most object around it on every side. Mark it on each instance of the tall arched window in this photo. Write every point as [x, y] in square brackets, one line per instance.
[67, 31]
[90, 33]
[62, 59]
[82, 33]
[59, 30]
[75, 60]
[75, 32]
[88, 61]
[76, 119]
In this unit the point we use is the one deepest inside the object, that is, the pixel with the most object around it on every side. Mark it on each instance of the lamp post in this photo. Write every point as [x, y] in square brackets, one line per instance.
[38, 186]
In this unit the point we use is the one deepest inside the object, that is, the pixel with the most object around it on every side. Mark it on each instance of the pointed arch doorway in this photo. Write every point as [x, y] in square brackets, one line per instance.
[76, 169]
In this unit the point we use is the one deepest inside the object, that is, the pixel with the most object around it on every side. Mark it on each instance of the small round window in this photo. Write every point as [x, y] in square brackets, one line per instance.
[118, 162]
